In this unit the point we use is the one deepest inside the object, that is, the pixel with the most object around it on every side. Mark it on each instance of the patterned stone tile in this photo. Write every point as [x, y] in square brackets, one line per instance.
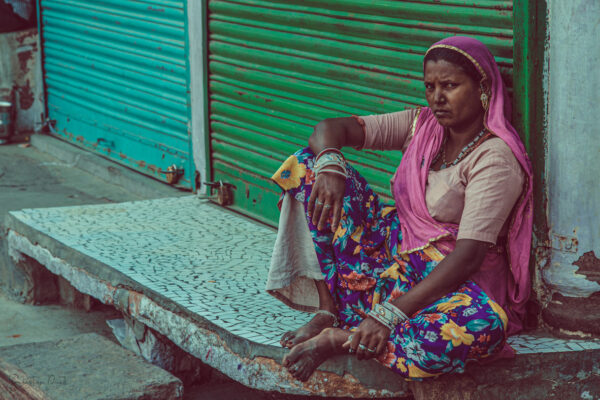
[212, 262]
[524, 344]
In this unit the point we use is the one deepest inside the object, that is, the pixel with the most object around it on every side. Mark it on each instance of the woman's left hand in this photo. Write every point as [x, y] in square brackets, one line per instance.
[369, 340]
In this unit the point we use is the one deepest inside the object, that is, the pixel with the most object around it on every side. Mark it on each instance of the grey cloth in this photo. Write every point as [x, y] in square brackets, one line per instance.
[294, 264]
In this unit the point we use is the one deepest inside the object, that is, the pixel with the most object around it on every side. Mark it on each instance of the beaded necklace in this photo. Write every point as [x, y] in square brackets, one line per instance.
[463, 153]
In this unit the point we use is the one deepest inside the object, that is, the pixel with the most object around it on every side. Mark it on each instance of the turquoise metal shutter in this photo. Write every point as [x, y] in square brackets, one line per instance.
[117, 80]
[277, 68]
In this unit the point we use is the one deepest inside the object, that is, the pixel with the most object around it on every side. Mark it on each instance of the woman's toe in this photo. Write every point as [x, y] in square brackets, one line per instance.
[293, 341]
[305, 373]
[289, 360]
[295, 371]
[304, 376]
[299, 369]
[286, 338]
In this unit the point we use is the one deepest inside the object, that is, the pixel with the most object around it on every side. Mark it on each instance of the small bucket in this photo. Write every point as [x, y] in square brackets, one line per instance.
[6, 123]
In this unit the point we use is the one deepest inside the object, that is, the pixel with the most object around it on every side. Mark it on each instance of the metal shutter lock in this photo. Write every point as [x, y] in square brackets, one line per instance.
[224, 192]
[173, 173]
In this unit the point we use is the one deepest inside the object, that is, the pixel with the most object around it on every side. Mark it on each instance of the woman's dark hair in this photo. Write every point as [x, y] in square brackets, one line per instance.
[454, 57]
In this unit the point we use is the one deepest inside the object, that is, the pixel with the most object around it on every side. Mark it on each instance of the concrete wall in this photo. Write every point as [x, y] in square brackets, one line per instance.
[573, 163]
[196, 21]
[21, 78]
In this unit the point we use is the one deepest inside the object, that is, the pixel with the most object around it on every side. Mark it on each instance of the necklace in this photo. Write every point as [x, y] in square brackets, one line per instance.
[463, 153]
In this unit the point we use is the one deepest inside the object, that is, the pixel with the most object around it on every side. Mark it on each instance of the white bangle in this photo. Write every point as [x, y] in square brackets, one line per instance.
[328, 163]
[396, 310]
[333, 171]
[330, 159]
[381, 320]
[387, 314]
[329, 150]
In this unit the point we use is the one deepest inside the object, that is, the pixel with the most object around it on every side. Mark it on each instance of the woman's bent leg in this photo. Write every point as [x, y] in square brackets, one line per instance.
[296, 178]
[461, 327]
[352, 258]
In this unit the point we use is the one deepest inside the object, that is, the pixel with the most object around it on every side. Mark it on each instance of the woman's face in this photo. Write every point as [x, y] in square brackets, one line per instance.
[453, 96]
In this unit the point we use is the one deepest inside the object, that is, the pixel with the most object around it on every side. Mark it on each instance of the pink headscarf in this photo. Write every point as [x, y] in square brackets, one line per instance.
[419, 228]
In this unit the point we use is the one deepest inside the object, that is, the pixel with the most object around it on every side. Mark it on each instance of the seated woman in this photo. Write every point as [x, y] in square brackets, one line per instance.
[441, 277]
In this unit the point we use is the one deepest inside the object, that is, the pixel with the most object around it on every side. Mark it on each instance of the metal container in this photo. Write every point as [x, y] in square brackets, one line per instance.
[6, 123]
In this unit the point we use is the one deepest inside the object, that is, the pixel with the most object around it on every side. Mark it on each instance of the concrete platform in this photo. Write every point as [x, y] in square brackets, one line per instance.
[87, 366]
[195, 273]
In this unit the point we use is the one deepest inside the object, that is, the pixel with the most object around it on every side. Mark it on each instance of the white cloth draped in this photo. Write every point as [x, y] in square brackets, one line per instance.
[294, 264]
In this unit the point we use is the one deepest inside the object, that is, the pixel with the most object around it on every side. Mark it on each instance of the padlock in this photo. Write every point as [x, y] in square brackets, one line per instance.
[224, 194]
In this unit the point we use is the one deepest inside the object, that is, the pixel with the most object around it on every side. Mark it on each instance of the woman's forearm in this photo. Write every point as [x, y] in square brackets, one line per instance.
[447, 276]
[336, 133]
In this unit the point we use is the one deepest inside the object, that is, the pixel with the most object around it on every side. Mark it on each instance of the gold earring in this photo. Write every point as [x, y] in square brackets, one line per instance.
[485, 101]
[485, 98]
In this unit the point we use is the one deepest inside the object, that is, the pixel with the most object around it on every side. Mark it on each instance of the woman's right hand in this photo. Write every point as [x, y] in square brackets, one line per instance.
[328, 191]
[326, 200]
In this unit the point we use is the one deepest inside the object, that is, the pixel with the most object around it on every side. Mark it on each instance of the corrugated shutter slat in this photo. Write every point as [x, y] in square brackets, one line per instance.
[276, 68]
[117, 79]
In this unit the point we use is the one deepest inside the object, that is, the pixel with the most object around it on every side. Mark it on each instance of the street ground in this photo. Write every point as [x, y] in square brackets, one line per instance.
[30, 178]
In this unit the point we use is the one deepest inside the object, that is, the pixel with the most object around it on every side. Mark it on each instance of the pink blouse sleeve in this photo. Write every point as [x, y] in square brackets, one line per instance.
[494, 184]
[391, 131]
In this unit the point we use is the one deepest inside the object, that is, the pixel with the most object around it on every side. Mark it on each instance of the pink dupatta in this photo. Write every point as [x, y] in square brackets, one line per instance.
[419, 228]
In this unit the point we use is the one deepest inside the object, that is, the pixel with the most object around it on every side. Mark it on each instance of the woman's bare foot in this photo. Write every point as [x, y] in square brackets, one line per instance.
[305, 357]
[311, 329]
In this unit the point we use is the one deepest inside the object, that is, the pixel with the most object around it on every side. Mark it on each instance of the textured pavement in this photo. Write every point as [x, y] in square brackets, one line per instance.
[88, 367]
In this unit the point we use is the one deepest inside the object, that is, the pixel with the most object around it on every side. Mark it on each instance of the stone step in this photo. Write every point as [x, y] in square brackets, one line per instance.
[86, 366]
[195, 274]
[550, 369]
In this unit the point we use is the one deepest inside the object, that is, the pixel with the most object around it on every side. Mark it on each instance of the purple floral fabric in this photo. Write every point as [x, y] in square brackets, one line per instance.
[361, 268]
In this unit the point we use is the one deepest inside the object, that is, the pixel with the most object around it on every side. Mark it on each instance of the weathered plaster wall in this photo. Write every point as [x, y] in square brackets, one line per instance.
[21, 78]
[574, 147]
[196, 25]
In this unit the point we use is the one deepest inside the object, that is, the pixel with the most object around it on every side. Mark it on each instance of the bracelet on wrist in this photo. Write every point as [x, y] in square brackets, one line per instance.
[333, 171]
[329, 150]
[388, 315]
[381, 321]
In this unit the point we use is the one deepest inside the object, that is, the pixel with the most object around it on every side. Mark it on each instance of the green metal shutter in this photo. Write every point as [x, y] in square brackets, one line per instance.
[117, 82]
[277, 68]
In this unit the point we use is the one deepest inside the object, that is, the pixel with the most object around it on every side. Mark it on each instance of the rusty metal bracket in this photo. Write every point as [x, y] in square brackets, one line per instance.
[224, 192]
[47, 125]
[172, 174]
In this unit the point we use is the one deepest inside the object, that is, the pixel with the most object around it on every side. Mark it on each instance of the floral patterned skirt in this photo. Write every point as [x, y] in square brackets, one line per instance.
[360, 265]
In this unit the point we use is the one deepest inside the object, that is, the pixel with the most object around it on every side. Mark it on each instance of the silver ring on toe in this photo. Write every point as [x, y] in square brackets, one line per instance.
[362, 347]
[371, 350]
[318, 202]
